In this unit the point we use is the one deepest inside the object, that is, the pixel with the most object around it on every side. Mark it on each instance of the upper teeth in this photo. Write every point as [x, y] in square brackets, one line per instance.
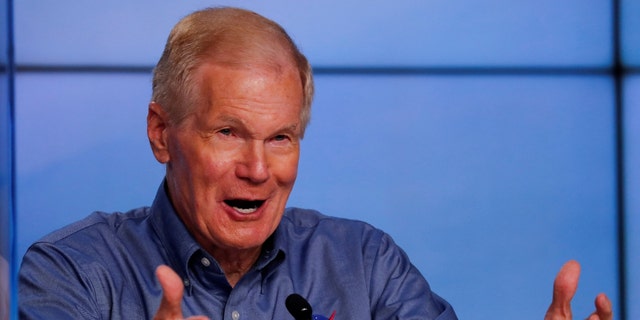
[246, 210]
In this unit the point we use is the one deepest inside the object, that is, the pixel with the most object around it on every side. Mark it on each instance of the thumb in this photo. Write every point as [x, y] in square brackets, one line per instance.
[564, 287]
[172, 290]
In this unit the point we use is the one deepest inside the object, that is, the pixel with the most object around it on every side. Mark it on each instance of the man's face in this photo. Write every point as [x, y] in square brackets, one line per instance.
[232, 164]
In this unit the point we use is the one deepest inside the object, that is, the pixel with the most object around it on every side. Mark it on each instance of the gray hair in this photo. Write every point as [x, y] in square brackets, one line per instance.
[227, 35]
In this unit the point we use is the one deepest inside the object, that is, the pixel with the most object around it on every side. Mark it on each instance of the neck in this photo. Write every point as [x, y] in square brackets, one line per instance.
[235, 263]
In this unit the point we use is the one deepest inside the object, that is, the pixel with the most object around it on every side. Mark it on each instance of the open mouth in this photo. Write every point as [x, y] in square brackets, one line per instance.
[244, 206]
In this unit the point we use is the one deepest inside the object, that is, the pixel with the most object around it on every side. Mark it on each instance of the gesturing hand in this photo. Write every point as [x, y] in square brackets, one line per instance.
[564, 287]
[172, 290]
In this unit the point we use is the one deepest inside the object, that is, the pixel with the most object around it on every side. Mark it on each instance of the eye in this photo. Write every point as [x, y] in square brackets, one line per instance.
[280, 137]
[225, 131]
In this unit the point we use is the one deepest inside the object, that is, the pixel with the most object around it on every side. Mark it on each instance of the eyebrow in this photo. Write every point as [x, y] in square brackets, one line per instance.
[232, 120]
[292, 128]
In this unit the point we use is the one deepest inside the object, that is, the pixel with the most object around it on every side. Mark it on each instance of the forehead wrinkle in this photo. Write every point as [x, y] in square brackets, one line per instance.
[263, 73]
[235, 109]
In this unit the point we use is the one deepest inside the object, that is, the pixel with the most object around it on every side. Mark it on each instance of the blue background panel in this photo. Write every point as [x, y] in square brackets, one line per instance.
[632, 148]
[6, 157]
[335, 32]
[490, 183]
[630, 24]
[81, 146]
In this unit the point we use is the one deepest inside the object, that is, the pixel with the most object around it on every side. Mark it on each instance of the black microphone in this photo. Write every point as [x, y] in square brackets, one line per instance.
[299, 307]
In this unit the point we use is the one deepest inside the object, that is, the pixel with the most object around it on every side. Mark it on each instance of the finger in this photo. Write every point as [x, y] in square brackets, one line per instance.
[564, 288]
[172, 290]
[604, 309]
[593, 316]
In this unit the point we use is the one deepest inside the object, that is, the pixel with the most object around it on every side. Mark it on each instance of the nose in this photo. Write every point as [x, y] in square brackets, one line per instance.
[253, 165]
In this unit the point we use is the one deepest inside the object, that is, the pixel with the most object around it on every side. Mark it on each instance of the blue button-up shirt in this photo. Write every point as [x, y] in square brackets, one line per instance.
[103, 267]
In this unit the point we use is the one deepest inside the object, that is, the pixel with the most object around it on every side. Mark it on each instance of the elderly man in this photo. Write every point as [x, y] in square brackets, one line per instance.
[231, 100]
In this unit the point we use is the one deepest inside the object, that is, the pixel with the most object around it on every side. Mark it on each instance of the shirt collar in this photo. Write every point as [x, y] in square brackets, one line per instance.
[272, 250]
[178, 243]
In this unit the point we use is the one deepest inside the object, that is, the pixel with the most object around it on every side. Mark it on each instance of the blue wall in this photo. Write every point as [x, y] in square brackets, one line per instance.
[482, 135]
[7, 244]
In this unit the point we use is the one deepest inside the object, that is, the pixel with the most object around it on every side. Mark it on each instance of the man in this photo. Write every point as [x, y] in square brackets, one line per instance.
[231, 100]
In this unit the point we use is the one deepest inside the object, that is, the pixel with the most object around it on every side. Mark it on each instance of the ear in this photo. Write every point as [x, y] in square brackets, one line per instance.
[157, 125]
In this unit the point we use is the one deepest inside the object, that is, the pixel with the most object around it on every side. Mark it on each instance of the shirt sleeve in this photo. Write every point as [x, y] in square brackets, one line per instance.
[398, 289]
[51, 285]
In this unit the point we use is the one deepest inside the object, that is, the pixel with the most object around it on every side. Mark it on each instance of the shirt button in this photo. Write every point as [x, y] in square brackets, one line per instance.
[205, 262]
[235, 315]
[186, 282]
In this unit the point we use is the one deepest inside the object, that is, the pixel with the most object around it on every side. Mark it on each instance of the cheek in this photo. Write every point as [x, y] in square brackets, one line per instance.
[202, 162]
[287, 170]
[211, 171]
